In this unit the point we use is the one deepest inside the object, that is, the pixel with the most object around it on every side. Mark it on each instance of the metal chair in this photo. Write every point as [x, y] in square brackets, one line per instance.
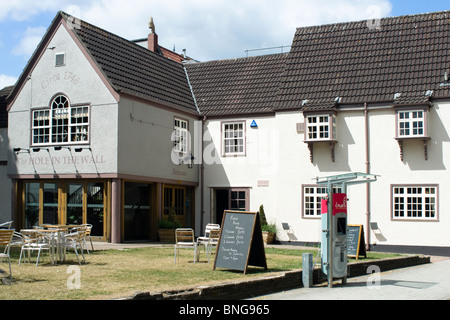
[184, 238]
[74, 240]
[213, 240]
[6, 236]
[204, 240]
[87, 236]
[6, 225]
[34, 241]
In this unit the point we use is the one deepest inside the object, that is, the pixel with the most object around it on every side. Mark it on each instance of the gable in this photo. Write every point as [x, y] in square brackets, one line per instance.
[123, 66]
[135, 70]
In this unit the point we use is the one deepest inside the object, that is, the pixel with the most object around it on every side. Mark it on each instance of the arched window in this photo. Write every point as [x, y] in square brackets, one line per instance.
[60, 120]
[62, 124]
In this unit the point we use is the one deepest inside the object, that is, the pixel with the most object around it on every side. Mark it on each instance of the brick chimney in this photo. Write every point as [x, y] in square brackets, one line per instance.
[152, 37]
[153, 42]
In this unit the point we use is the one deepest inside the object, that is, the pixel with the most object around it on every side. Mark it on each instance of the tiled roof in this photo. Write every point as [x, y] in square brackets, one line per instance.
[135, 70]
[3, 113]
[407, 55]
[236, 86]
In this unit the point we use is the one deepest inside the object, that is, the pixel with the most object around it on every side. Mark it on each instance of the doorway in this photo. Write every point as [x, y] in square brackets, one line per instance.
[137, 211]
[236, 199]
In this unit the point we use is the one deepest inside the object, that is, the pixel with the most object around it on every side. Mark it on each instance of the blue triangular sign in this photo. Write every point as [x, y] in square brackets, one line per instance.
[253, 124]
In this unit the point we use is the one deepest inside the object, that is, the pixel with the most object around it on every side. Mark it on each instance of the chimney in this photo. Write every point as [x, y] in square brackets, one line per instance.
[152, 37]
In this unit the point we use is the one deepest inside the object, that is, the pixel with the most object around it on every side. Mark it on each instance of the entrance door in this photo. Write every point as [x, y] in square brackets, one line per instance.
[222, 203]
[176, 202]
[137, 211]
[236, 199]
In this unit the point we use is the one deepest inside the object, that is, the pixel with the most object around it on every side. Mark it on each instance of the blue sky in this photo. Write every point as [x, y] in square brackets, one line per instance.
[207, 29]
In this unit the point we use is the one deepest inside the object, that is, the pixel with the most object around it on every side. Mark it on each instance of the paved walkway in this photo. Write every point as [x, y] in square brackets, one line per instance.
[425, 282]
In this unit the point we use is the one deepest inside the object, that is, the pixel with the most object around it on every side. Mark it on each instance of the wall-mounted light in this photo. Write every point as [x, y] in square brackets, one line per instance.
[39, 149]
[17, 150]
[190, 163]
[81, 149]
[58, 148]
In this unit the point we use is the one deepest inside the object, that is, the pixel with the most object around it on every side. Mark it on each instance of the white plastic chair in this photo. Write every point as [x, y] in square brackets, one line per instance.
[184, 238]
[34, 241]
[5, 240]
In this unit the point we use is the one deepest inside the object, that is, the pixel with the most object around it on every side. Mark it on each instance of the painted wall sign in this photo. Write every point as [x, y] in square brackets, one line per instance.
[61, 160]
[62, 76]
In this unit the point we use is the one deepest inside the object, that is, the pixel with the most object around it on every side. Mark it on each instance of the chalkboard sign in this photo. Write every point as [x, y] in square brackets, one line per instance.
[355, 241]
[241, 242]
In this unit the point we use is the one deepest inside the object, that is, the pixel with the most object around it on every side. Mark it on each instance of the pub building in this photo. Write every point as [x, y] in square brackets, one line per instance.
[94, 120]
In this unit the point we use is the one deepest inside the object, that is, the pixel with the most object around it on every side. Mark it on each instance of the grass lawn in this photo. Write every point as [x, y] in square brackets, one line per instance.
[119, 273]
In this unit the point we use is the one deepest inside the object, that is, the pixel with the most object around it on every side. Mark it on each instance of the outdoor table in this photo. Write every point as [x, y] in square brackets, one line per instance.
[53, 236]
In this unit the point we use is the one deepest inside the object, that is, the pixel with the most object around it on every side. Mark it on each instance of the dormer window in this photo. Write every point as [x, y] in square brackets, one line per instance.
[320, 127]
[411, 123]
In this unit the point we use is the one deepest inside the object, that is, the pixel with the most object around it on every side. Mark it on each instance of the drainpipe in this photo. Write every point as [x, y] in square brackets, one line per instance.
[367, 147]
[202, 173]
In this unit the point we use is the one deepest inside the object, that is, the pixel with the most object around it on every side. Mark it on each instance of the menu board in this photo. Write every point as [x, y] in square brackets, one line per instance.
[355, 241]
[240, 243]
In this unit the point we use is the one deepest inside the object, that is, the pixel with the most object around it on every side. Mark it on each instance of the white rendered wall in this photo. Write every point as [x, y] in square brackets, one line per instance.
[275, 152]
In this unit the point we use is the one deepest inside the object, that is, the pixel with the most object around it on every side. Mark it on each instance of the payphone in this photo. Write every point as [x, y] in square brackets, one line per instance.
[338, 235]
[334, 223]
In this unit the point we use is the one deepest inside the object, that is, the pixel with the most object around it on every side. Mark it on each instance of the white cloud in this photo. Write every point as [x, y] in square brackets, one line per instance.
[212, 29]
[6, 80]
[219, 29]
[29, 41]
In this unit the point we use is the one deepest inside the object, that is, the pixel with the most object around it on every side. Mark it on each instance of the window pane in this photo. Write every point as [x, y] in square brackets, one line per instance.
[50, 206]
[31, 204]
[74, 203]
[233, 138]
[95, 207]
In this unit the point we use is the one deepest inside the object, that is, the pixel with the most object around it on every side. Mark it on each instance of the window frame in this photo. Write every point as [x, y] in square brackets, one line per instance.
[224, 138]
[318, 125]
[60, 54]
[185, 143]
[414, 213]
[72, 128]
[399, 120]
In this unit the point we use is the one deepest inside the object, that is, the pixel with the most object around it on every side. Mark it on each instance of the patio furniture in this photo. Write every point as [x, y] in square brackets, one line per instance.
[34, 240]
[5, 240]
[6, 225]
[184, 238]
[74, 240]
[213, 240]
[206, 241]
[87, 236]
